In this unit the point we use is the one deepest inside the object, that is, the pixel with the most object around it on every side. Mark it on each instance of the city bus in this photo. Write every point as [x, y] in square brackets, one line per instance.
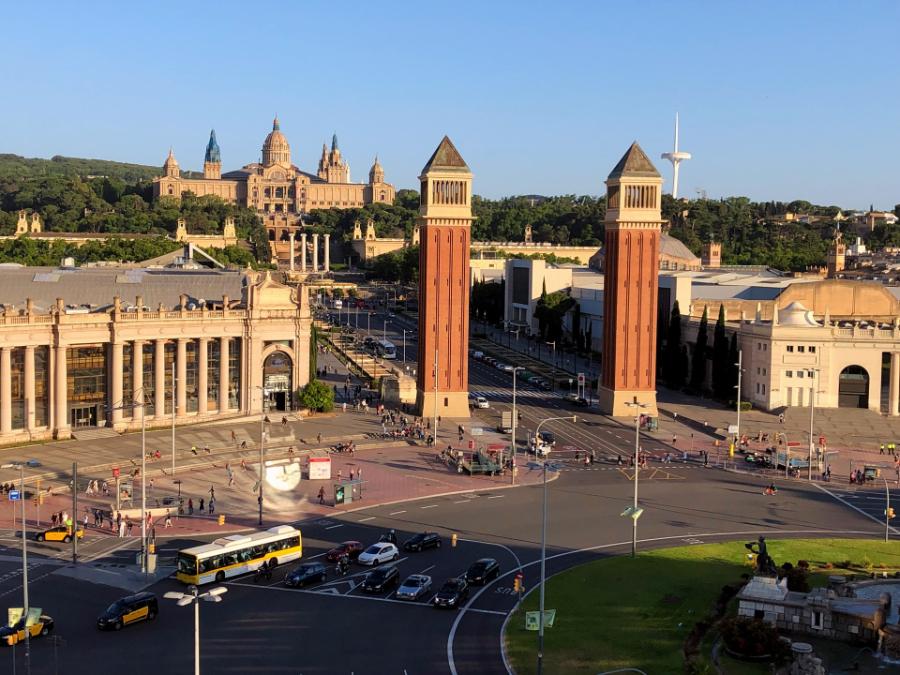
[385, 349]
[238, 554]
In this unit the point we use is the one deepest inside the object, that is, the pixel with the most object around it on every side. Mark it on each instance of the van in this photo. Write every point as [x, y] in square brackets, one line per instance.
[129, 610]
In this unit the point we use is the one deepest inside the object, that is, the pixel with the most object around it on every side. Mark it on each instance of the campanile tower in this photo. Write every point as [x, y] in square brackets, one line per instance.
[445, 219]
[630, 292]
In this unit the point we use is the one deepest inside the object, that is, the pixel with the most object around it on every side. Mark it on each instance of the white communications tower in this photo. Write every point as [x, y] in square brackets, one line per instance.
[676, 158]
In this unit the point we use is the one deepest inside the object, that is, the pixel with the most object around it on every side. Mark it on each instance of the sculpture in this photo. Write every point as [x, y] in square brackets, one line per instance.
[764, 563]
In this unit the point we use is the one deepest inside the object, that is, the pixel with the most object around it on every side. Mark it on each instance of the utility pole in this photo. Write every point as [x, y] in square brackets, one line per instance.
[74, 513]
[812, 415]
[740, 373]
[435, 397]
[262, 468]
[515, 415]
[174, 404]
[887, 511]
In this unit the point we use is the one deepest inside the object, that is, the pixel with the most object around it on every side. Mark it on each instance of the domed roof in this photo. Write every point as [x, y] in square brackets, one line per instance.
[276, 149]
[170, 160]
[795, 314]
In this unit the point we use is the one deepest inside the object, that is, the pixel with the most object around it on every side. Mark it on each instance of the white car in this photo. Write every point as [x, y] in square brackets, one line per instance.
[379, 553]
[415, 586]
[505, 367]
[479, 402]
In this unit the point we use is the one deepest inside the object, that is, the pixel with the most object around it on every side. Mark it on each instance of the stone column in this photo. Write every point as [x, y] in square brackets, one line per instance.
[115, 396]
[894, 390]
[315, 255]
[202, 379]
[327, 252]
[29, 388]
[61, 390]
[137, 378]
[181, 378]
[303, 251]
[159, 371]
[291, 237]
[6, 390]
[223, 374]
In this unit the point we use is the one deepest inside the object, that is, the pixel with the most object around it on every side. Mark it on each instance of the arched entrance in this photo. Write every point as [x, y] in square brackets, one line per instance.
[853, 388]
[278, 381]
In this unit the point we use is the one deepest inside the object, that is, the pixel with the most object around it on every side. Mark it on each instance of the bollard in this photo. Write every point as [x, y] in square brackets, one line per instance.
[221, 519]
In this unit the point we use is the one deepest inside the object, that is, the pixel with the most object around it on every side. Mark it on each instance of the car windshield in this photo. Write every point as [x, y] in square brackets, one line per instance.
[414, 581]
[451, 585]
[477, 568]
[307, 567]
[115, 607]
[373, 549]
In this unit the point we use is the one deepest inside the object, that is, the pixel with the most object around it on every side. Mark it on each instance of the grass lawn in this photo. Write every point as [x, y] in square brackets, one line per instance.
[619, 612]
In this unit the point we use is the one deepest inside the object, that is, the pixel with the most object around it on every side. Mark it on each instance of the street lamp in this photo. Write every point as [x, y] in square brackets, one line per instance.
[404, 343]
[635, 511]
[515, 420]
[812, 416]
[740, 373]
[545, 466]
[384, 327]
[21, 467]
[262, 462]
[887, 511]
[194, 597]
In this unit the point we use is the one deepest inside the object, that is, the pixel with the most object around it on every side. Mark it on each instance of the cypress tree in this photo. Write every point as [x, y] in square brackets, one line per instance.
[683, 364]
[721, 367]
[698, 360]
[672, 368]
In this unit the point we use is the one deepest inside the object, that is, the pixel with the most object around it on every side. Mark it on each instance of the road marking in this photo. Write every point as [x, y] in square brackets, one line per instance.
[855, 508]
[396, 513]
[331, 527]
[488, 611]
[365, 520]
[496, 497]
[317, 555]
[370, 598]
[427, 568]
[463, 501]
[430, 506]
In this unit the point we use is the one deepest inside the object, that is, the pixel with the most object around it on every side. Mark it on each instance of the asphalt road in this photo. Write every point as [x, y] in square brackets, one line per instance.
[334, 628]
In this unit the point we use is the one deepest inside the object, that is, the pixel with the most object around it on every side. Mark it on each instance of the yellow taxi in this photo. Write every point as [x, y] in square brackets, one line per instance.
[13, 635]
[60, 533]
[129, 610]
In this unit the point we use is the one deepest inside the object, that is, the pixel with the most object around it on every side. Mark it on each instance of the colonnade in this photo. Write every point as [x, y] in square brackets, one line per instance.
[315, 252]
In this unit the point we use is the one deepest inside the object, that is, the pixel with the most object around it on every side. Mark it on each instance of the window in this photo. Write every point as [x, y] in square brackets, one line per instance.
[759, 346]
[764, 389]
[811, 349]
[765, 347]
[757, 387]
[817, 621]
[801, 349]
[800, 373]
[789, 373]
[790, 348]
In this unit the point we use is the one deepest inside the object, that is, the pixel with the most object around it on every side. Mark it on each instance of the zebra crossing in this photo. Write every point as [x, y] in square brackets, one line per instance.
[505, 395]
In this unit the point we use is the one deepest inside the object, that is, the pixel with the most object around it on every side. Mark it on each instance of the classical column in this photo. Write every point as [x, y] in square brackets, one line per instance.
[894, 390]
[327, 252]
[291, 237]
[315, 259]
[115, 396]
[61, 388]
[303, 251]
[159, 371]
[223, 374]
[137, 379]
[202, 379]
[6, 390]
[29, 388]
[181, 377]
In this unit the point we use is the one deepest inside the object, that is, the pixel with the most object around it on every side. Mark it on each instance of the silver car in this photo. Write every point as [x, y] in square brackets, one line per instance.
[415, 586]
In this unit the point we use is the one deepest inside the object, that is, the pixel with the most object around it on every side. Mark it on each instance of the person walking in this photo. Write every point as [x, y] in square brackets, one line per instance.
[201, 504]
[122, 525]
[191, 506]
[212, 505]
[129, 525]
[212, 492]
[881, 449]
[322, 495]
[168, 522]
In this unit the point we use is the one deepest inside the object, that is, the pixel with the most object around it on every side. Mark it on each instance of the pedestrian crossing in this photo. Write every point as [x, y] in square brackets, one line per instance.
[505, 395]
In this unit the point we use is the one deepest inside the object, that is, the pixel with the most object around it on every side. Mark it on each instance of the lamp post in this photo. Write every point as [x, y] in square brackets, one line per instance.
[404, 344]
[740, 373]
[635, 512]
[515, 420]
[887, 511]
[545, 467]
[193, 597]
[553, 363]
[384, 328]
[812, 417]
[262, 459]
[21, 467]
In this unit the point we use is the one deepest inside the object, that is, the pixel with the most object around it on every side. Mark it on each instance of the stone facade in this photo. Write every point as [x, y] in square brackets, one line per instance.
[74, 353]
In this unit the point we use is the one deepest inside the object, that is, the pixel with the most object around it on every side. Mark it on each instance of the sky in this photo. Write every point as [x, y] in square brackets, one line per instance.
[777, 100]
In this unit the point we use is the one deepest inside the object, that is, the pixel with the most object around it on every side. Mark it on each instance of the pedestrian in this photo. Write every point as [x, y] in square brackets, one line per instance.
[340, 477]
[319, 438]
[86, 515]
[283, 420]
[344, 406]
[781, 418]
[53, 519]
[322, 495]
[121, 528]
[168, 520]
[881, 449]
[191, 506]
[233, 437]
[359, 473]
[129, 525]
[201, 504]
[351, 474]
[212, 492]
[151, 484]
[212, 505]
[674, 439]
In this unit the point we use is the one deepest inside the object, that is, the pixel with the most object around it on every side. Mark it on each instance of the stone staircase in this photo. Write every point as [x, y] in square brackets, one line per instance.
[93, 433]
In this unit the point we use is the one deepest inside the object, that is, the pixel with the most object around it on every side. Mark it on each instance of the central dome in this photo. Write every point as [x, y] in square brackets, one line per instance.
[276, 149]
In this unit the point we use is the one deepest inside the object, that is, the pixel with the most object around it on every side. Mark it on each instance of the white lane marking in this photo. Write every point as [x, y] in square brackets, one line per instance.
[430, 506]
[396, 513]
[317, 555]
[488, 611]
[427, 568]
[855, 508]
[496, 497]
[491, 543]
[463, 501]
[283, 589]
[331, 527]
[365, 520]
[465, 608]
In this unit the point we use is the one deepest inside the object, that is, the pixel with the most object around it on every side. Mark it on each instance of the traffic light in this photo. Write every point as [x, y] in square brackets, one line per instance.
[453, 539]
[890, 512]
[517, 585]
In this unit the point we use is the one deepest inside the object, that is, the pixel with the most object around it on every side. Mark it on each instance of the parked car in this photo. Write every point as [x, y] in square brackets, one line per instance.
[452, 594]
[306, 573]
[477, 355]
[128, 610]
[378, 553]
[351, 549]
[415, 586]
[423, 540]
[483, 570]
[575, 399]
[381, 579]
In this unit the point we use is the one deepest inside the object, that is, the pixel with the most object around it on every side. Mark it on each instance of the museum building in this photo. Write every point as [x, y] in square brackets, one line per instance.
[82, 348]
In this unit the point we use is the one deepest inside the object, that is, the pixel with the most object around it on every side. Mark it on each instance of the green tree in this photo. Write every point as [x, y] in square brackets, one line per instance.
[698, 360]
[673, 368]
[721, 369]
[317, 396]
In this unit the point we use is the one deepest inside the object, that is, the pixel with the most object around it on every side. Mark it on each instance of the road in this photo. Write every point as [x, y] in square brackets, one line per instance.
[334, 628]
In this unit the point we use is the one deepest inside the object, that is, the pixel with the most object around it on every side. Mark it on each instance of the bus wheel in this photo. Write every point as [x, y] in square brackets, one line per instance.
[273, 563]
[220, 577]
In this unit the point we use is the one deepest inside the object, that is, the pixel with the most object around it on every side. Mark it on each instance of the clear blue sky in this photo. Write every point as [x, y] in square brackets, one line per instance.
[778, 100]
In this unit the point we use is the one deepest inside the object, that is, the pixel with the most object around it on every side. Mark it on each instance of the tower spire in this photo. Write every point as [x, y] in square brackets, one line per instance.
[676, 157]
[334, 143]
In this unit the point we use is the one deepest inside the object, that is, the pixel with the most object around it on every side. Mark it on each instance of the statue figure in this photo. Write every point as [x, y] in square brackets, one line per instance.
[764, 564]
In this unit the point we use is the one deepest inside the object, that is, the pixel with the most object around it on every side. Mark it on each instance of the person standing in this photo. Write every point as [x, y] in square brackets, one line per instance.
[322, 495]
[168, 520]
[201, 504]
[191, 506]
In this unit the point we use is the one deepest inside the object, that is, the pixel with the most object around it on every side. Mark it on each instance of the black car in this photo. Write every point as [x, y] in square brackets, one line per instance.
[482, 571]
[423, 540]
[129, 610]
[452, 594]
[306, 573]
[381, 579]
[548, 438]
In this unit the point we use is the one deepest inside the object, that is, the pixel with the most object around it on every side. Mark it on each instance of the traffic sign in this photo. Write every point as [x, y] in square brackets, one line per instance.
[634, 513]
[14, 495]
[580, 378]
[115, 472]
[732, 429]
[477, 431]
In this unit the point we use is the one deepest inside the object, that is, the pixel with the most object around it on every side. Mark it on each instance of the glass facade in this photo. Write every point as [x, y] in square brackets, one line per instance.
[213, 354]
[192, 372]
[127, 381]
[149, 380]
[87, 384]
[41, 386]
[18, 387]
[234, 372]
[171, 351]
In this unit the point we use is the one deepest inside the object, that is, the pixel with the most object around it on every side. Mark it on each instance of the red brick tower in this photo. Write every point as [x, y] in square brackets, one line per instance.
[445, 218]
[630, 292]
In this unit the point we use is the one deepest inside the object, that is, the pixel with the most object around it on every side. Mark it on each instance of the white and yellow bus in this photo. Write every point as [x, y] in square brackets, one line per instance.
[238, 554]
